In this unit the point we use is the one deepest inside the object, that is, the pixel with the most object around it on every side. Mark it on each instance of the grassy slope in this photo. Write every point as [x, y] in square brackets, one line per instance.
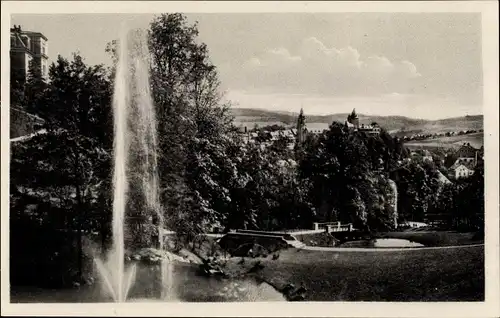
[413, 275]
[475, 139]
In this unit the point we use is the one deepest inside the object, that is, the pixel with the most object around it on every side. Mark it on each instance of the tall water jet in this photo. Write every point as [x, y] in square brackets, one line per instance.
[145, 130]
[135, 175]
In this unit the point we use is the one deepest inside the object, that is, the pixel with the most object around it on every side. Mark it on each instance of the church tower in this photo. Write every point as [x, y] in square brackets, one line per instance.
[301, 127]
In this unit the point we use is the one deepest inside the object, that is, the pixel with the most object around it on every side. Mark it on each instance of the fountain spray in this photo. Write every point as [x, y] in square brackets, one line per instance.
[135, 156]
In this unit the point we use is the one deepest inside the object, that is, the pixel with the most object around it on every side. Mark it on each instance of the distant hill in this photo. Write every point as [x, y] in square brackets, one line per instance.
[395, 124]
[476, 140]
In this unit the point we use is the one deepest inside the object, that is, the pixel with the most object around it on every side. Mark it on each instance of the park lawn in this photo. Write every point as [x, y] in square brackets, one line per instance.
[436, 238]
[455, 274]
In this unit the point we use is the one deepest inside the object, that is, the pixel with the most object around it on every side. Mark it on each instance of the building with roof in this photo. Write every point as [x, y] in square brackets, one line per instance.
[466, 162]
[467, 151]
[301, 127]
[352, 123]
[442, 179]
[27, 47]
[462, 168]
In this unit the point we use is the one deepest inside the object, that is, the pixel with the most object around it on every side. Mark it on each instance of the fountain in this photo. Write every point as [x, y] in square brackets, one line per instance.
[135, 162]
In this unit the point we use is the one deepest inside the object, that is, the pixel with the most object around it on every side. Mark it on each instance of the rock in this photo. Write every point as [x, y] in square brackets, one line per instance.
[257, 267]
[301, 290]
[288, 289]
[89, 281]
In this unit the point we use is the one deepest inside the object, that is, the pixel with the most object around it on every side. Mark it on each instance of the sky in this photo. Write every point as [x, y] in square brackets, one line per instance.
[420, 65]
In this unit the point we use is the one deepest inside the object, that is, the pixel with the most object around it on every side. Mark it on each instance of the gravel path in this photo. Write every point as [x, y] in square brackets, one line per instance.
[383, 249]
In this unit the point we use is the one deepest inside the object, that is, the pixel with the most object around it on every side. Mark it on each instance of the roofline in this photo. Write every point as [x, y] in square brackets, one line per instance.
[35, 33]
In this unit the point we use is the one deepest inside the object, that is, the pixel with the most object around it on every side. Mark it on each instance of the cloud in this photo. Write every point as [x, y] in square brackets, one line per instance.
[318, 69]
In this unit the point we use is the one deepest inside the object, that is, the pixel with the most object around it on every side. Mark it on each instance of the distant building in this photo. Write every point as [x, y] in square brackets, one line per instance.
[427, 156]
[467, 151]
[27, 46]
[422, 154]
[301, 128]
[352, 123]
[466, 162]
[461, 169]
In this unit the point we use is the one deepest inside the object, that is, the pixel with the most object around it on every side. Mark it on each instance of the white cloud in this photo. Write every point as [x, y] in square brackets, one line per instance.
[318, 69]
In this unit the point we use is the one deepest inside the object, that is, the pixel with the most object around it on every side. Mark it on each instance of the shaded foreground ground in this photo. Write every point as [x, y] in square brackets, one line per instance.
[412, 275]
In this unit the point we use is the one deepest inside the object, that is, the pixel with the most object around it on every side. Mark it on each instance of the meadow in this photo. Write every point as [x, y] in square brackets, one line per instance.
[455, 274]
[476, 140]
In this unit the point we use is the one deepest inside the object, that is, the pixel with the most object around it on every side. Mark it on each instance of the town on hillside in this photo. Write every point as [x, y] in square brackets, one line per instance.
[453, 164]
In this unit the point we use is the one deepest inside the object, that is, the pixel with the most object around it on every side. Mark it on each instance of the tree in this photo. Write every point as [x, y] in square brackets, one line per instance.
[194, 122]
[34, 88]
[417, 187]
[17, 82]
[336, 167]
[348, 174]
[69, 163]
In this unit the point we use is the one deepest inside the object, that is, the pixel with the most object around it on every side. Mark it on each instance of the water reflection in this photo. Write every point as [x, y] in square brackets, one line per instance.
[382, 243]
[189, 287]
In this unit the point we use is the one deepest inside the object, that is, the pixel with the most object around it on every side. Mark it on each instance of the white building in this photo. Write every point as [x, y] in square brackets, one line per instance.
[461, 169]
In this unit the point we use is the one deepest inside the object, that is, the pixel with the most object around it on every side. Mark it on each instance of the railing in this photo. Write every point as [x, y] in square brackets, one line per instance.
[334, 227]
[341, 228]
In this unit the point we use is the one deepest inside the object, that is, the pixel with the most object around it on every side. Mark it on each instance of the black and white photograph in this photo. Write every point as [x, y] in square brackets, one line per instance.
[204, 156]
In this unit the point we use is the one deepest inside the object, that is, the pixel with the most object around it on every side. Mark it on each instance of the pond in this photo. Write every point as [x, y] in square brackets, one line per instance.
[187, 286]
[382, 243]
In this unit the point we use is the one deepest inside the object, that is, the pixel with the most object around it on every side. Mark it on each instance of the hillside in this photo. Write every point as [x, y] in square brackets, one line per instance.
[475, 140]
[394, 124]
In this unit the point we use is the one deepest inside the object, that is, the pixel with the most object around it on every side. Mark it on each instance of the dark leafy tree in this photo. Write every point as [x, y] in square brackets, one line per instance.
[67, 165]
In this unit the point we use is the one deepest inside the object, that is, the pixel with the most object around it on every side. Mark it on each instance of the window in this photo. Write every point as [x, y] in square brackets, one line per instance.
[44, 69]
